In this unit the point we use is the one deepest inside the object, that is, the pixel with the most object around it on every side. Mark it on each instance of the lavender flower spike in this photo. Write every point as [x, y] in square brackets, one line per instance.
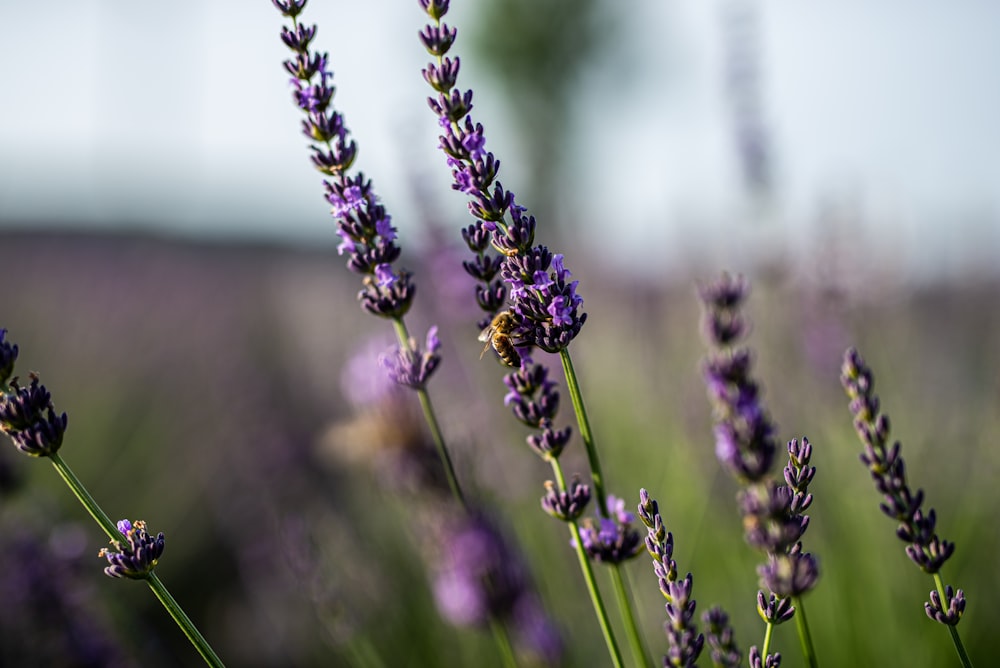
[137, 555]
[916, 528]
[744, 433]
[367, 235]
[545, 303]
[28, 417]
[721, 638]
[681, 629]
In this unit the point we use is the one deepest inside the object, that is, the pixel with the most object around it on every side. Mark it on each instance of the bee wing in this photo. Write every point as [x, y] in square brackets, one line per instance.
[487, 336]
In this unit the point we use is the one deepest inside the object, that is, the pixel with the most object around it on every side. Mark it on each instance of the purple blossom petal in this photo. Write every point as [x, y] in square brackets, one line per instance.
[384, 275]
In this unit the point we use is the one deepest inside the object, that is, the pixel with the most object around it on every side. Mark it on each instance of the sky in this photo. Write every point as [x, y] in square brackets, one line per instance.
[883, 122]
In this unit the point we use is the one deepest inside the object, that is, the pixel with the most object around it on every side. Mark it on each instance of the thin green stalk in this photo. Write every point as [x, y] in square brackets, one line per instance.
[767, 642]
[109, 527]
[503, 642]
[621, 592]
[963, 656]
[805, 638]
[588, 576]
[362, 654]
[183, 621]
[432, 423]
[585, 433]
[81, 493]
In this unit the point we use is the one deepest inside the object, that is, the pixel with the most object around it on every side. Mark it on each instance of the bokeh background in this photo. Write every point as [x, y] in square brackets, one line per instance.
[169, 268]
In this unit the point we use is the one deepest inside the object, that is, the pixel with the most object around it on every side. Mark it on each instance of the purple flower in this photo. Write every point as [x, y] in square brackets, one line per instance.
[566, 505]
[365, 229]
[888, 471]
[384, 275]
[681, 628]
[479, 575]
[346, 245]
[137, 555]
[289, 8]
[409, 365]
[474, 142]
[949, 611]
[560, 311]
[362, 380]
[546, 304]
[721, 638]
[774, 609]
[769, 661]
[28, 417]
[611, 540]
[744, 433]
[8, 355]
[616, 509]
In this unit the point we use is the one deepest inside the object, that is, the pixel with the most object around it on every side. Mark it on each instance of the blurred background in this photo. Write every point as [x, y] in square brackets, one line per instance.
[169, 267]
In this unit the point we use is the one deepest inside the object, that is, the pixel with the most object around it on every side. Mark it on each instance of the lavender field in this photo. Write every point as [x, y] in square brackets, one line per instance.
[708, 373]
[209, 391]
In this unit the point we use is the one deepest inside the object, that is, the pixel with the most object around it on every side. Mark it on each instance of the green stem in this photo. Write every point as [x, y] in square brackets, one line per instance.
[963, 656]
[81, 493]
[588, 576]
[183, 621]
[767, 642]
[805, 638]
[502, 639]
[431, 417]
[622, 594]
[585, 433]
[111, 529]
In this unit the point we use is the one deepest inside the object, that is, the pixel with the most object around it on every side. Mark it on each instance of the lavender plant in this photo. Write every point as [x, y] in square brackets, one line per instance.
[365, 228]
[916, 528]
[369, 239]
[28, 417]
[686, 643]
[773, 514]
[544, 309]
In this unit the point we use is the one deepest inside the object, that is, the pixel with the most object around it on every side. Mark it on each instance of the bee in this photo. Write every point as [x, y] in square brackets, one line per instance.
[498, 336]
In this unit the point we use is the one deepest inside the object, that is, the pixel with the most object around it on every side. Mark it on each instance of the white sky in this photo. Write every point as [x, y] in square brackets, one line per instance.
[177, 116]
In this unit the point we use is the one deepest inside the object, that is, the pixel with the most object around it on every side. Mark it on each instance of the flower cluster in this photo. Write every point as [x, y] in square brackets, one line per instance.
[545, 303]
[773, 513]
[137, 556]
[534, 400]
[611, 539]
[721, 638]
[888, 470]
[685, 641]
[481, 577]
[916, 527]
[410, 366]
[366, 231]
[774, 521]
[744, 434]
[949, 610]
[769, 661]
[27, 415]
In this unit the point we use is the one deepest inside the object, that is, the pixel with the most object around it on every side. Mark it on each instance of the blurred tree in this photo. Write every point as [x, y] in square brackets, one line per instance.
[538, 53]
